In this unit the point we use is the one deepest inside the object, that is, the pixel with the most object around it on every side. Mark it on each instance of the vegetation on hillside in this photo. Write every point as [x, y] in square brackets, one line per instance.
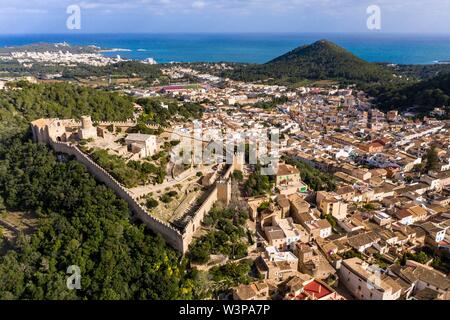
[227, 236]
[81, 222]
[421, 71]
[257, 184]
[232, 274]
[419, 95]
[131, 173]
[26, 102]
[160, 111]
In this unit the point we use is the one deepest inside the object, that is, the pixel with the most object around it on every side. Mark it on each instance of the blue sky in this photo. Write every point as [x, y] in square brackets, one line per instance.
[149, 16]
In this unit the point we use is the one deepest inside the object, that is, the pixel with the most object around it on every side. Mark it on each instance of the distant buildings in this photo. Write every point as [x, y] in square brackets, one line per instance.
[28, 58]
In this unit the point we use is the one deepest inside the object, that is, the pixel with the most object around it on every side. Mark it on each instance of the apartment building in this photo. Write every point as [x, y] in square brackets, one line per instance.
[331, 204]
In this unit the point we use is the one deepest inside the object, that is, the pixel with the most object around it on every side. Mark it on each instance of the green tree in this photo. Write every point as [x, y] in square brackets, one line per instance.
[238, 175]
[151, 203]
[432, 159]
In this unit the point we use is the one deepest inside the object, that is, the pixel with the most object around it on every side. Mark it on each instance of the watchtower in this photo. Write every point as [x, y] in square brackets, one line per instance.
[224, 191]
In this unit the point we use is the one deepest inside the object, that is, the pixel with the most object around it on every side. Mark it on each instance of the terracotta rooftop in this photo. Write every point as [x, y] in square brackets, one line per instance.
[285, 170]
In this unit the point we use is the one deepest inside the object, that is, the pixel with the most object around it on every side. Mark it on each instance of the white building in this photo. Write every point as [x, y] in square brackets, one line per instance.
[142, 144]
[292, 235]
[366, 282]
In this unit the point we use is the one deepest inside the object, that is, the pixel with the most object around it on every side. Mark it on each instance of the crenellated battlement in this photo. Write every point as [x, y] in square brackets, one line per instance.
[178, 240]
[172, 235]
[128, 123]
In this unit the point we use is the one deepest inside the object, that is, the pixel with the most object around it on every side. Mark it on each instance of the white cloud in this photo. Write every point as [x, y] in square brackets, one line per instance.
[174, 5]
[198, 4]
[16, 10]
[257, 12]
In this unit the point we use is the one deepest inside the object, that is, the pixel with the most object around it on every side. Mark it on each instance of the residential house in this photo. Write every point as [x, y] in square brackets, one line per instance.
[331, 204]
[363, 241]
[311, 261]
[423, 277]
[304, 287]
[435, 234]
[142, 144]
[287, 180]
[254, 291]
[366, 282]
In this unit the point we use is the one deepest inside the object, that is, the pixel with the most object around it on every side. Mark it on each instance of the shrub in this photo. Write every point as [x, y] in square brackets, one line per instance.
[151, 203]
[238, 175]
[166, 198]
[172, 194]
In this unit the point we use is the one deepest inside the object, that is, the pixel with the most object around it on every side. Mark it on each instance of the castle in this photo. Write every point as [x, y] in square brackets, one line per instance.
[64, 130]
[60, 134]
[48, 130]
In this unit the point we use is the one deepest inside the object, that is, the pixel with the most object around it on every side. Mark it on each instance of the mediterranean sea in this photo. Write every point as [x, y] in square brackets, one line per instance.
[250, 48]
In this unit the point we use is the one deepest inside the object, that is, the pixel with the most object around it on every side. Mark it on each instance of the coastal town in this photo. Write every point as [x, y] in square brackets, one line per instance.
[357, 208]
[58, 54]
[375, 232]
[224, 159]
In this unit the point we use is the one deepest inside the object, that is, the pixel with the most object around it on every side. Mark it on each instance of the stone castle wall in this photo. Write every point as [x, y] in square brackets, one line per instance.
[199, 215]
[176, 239]
[172, 236]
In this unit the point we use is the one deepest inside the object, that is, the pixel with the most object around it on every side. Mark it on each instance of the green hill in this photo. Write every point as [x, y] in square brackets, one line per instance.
[421, 96]
[322, 60]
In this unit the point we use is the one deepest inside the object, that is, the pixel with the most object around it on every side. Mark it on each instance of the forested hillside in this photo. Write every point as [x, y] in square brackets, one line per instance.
[322, 60]
[421, 96]
[26, 102]
[82, 223]
[421, 88]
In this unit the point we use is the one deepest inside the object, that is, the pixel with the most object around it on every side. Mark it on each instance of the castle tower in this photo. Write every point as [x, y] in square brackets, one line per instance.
[86, 122]
[87, 131]
[238, 161]
[224, 191]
